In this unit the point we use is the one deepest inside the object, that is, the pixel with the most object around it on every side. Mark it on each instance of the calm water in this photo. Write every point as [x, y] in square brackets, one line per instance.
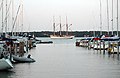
[63, 59]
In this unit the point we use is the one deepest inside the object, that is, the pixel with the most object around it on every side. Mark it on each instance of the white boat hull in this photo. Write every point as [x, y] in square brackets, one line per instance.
[5, 64]
[100, 48]
[22, 59]
[61, 37]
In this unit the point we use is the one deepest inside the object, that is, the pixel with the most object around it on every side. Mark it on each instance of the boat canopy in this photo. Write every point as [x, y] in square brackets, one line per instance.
[7, 39]
[87, 38]
[96, 39]
[111, 38]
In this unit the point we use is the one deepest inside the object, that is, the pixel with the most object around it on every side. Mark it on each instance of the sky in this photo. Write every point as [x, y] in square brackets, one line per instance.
[80, 13]
[84, 15]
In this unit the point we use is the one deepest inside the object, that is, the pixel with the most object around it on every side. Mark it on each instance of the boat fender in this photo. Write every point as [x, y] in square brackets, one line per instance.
[29, 56]
[110, 50]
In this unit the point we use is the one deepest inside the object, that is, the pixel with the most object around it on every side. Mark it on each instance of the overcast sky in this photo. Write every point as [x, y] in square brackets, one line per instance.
[82, 14]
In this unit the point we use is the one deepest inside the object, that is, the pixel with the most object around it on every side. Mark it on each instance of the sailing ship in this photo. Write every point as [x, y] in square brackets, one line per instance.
[60, 36]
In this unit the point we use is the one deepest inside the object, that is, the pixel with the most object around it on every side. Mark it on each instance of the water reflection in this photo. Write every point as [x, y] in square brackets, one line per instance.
[6, 74]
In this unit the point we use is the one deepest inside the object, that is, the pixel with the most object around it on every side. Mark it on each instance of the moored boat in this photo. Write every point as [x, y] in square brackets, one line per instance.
[23, 59]
[5, 64]
[61, 37]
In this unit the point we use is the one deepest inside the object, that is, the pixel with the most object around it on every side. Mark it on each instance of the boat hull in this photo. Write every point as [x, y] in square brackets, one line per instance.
[5, 64]
[44, 42]
[22, 59]
[61, 37]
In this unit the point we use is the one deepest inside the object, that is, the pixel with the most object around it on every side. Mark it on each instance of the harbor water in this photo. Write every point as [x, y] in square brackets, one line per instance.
[63, 59]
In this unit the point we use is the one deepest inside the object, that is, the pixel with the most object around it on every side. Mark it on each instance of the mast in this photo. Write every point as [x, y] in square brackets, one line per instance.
[16, 18]
[12, 14]
[112, 17]
[7, 10]
[60, 27]
[22, 15]
[108, 17]
[117, 19]
[2, 17]
[6, 19]
[66, 26]
[100, 19]
[117, 31]
[53, 25]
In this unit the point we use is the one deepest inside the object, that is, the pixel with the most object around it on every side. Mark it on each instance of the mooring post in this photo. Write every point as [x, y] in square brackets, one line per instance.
[97, 45]
[118, 48]
[100, 46]
[88, 44]
[103, 47]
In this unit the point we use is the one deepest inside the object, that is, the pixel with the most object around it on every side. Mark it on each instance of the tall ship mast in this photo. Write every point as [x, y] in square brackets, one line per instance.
[60, 35]
[54, 25]
[66, 27]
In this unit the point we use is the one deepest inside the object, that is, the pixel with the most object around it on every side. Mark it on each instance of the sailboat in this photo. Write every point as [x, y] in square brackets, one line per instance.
[115, 48]
[21, 55]
[60, 36]
[5, 62]
[21, 43]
